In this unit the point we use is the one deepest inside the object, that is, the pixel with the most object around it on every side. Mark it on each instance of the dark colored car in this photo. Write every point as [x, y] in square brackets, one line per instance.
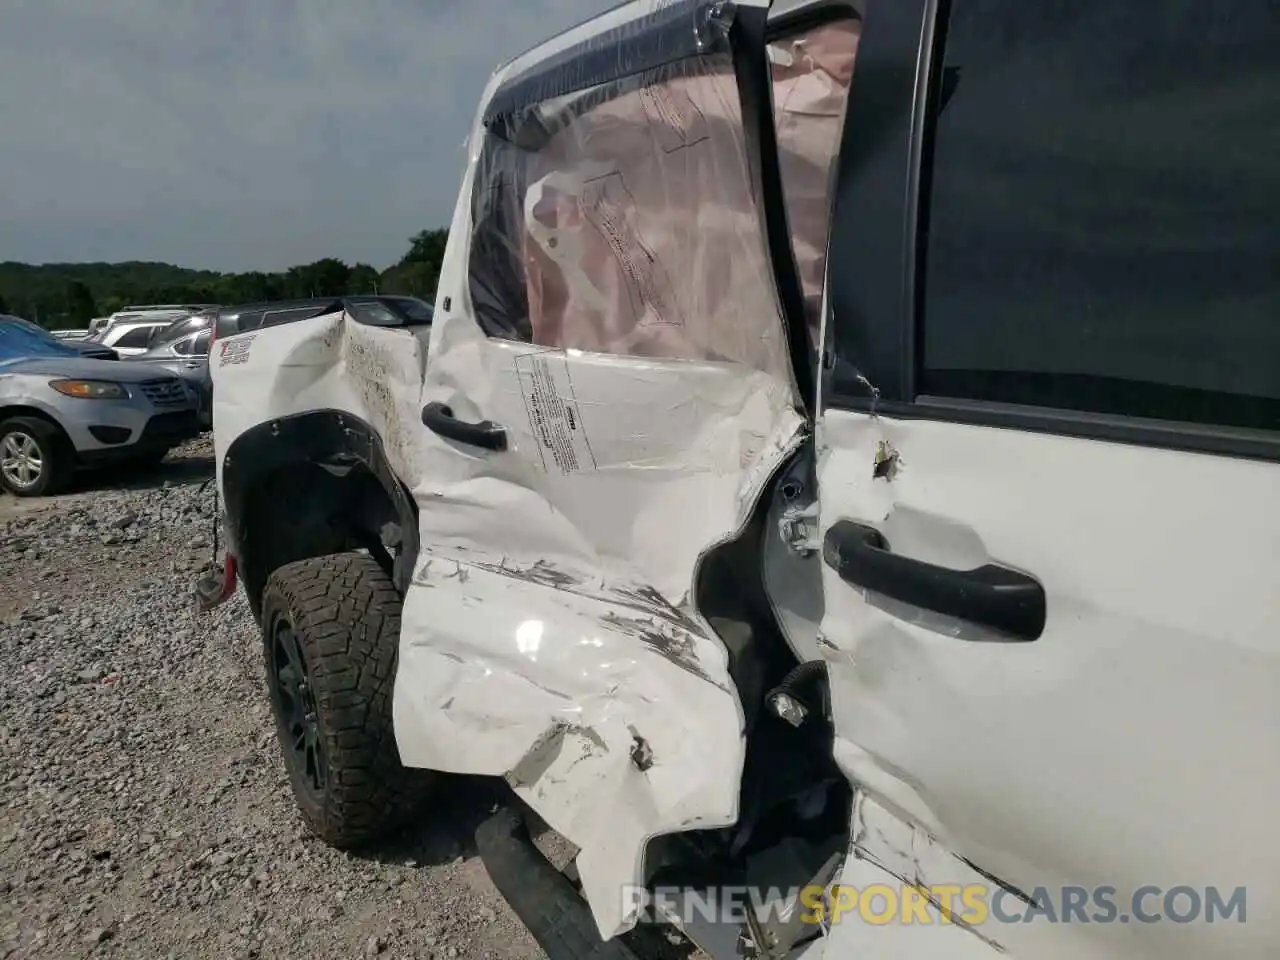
[182, 349]
[183, 328]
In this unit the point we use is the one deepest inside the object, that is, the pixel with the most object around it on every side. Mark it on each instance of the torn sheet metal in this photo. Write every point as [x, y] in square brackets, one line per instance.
[634, 472]
[615, 726]
[551, 610]
[792, 564]
[886, 850]
[611, 309]
[872, 866]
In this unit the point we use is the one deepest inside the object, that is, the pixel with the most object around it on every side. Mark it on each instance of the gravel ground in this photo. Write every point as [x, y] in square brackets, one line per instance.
[144, 811]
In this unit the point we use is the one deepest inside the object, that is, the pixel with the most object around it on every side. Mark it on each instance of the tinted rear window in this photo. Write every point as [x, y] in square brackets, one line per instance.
[137, 337]
[415, 310]
[180, 329]
[1103, 220]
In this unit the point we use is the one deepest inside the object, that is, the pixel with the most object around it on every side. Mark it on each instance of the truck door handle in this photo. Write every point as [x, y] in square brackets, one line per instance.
[439, 419]
[994, 596]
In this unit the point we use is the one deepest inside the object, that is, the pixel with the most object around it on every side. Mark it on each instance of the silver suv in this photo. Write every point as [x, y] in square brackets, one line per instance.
[60, 412]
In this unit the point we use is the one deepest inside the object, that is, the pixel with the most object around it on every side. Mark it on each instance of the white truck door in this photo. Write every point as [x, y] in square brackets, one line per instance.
[609, 389]
[1048, 478]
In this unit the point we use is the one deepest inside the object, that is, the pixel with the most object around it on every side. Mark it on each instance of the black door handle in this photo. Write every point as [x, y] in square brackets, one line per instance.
[997, 597]
[439, 418]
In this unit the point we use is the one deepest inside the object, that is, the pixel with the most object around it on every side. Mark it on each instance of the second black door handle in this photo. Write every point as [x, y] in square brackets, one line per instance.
[993, 596]
[439, 419]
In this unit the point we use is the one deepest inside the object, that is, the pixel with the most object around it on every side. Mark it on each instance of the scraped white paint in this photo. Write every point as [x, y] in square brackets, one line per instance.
[854, 939]
[1135, 742]
[561, 690]
[328, 362]
[679, 461]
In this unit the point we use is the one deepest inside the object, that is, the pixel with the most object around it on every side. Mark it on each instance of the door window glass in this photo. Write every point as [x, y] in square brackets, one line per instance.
[621, 220]
[138, 337]
[374, 313]
[1103, 227]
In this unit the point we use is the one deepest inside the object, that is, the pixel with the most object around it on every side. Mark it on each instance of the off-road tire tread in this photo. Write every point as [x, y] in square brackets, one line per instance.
[345, 613]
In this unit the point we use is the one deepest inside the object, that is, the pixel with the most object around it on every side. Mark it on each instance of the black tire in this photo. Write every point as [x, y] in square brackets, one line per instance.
[51, 447]
[335, 730]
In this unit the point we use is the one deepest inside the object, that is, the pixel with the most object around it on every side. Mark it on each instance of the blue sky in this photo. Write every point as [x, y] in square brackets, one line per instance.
[243, 134]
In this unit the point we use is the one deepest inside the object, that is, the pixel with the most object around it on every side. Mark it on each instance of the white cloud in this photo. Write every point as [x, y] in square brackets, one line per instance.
[243, 134]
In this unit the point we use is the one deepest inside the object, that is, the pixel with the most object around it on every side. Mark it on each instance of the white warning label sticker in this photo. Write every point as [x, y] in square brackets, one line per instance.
[552, 407]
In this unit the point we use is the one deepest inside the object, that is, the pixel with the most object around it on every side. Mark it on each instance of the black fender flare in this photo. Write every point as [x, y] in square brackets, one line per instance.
[335, 440]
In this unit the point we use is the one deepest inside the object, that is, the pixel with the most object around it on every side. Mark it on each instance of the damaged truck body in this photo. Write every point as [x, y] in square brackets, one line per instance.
[825, 470]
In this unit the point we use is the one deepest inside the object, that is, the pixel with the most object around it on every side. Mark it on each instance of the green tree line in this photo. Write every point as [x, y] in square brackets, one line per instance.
[68, 295]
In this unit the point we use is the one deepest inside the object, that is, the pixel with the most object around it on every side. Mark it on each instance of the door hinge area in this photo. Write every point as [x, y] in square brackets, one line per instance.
[798, 527]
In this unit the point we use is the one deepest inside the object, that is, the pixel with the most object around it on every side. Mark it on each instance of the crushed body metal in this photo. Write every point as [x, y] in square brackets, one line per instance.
[642, 377]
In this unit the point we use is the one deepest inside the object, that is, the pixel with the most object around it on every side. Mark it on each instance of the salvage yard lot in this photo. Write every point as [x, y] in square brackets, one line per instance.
[144, 811]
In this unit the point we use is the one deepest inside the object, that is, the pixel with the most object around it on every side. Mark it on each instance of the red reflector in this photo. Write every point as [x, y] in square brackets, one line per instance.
[228, 577]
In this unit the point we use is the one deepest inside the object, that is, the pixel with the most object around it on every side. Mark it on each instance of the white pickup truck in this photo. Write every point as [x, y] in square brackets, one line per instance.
[841, 475]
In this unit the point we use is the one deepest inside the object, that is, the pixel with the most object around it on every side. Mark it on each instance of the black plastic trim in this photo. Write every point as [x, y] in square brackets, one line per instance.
[870, 245]
[749, 38]
[440, 420]
[917, 196]
[163, 431]
[110, 435]
[1005, 600]
[169, 429]
[656, 40]
[319, 437]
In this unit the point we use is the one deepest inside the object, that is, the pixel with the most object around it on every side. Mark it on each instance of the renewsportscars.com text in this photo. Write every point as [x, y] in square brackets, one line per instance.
[973, 905]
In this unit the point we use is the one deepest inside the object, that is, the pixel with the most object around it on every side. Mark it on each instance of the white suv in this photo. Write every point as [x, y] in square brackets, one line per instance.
[132, 331]
[843, 475]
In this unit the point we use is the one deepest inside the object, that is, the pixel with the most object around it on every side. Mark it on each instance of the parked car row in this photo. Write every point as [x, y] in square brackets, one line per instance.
[132, 331]
[160, 313]
[62, 410]
[136, 386]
